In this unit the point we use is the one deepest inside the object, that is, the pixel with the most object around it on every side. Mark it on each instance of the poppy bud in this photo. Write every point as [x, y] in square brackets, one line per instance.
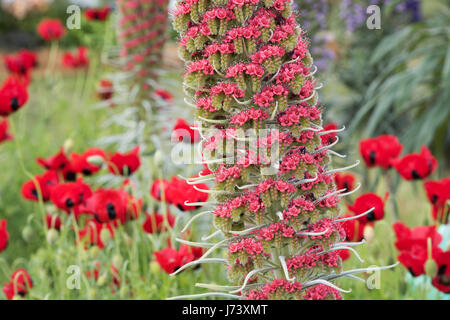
[158, 159]
[52, 236]
[28, 234]
[430, 268]
[96, 160]
[68, 145]
[117, 261]
[154, 267]
[369, 233]
[105, 236]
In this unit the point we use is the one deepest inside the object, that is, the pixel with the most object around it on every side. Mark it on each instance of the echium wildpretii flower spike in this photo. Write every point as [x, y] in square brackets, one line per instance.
[142, 34]
[249, 70]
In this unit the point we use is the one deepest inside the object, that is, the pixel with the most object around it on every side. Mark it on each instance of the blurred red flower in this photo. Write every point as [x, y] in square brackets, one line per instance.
[412, 244]
[367, 201]
[438, 193]
[106, 205]
[415, 166]
[179, 192]
[171, 260]
[20, 283]
[183, 132]
[59, 163]
[21, 63]
[354, 229]
[79, 59]
[97, 14]
[164, 94]
[124, 163]
[155, 222]
[13, 96]
[69, 196]
[329, 138]
[105, 90]
[41, 183]
[4, 235]
[51, 29]
[4, 134]
[442, 278]
[80, 163]
[157, 188]
[380, 151]
[344, 181]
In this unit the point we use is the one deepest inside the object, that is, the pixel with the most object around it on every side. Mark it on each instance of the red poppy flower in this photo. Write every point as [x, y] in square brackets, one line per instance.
[380, 151]
[80, 163]
[354, 229]
[124, 163]
[53, 222]
[4, 134]
[20, 283]
[97, 14]
[179, 191]
[106, 205]
[155, 222]
[365, 202]
[344, 181]
[70, 196]
[158, 186]
[330, 137]
[105, 90]
[90, 234]
[46, 183]
[59, 163]
[171, 260]
[344, 254]
[206, 171]
[51, 29]
[79, 59]
[164, 94]
[21, 63]
[183, 132]
[412, 244]
[4, 235]
[13, 96]
[415, 166]
[442, 278]
[438, 193]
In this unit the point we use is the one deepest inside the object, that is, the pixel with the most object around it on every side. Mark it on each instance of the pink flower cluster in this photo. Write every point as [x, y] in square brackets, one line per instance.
[294, 114]
[223, 48]
[267, 52]
[283, 31]
[289, 71]
[203, 66]
[228, 89]
[218, 13]
[249, 115]
[291, 161]
[268, 95]
[225, 173]
[249, 32]
[276, 289]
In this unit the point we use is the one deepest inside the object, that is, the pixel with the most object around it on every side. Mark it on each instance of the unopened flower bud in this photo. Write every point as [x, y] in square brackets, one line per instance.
[124, 292]
[101, 280]
[158, 159]
[117, 261]
[28, 234]
[52, 236]
[369, 234]
[430, 268]
[105, 236]
[154, 267]
[92, 294]
[67, 146]
[96, 160]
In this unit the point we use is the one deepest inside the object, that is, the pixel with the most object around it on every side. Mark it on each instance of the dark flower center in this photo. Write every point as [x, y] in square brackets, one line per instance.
[372, 157]
[69, 203]
[415, 175]
[87, 172]
[371, 216]
[15, 104]
[111, 211]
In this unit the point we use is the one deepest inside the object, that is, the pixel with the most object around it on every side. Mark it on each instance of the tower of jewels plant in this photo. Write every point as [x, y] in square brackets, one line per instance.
[250, 76]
